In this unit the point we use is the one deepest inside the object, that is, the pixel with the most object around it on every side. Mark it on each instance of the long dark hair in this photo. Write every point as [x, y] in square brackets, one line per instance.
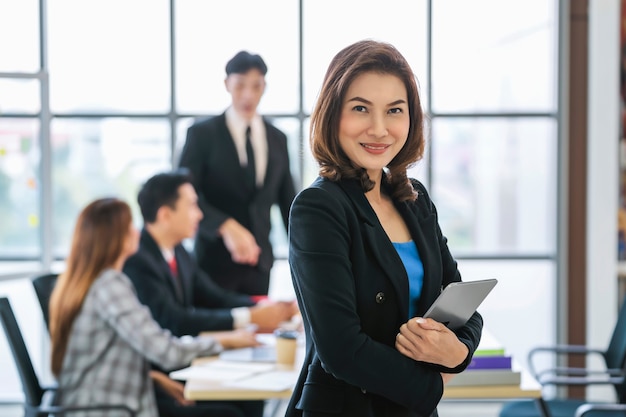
[97, 244]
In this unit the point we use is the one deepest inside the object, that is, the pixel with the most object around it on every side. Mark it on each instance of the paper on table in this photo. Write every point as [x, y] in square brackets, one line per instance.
[266, 339]
[220, 371]
[267, 381]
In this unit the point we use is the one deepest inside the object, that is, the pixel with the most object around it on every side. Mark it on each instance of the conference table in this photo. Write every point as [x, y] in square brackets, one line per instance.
[207, 389]
[200, 389]
[265, 388]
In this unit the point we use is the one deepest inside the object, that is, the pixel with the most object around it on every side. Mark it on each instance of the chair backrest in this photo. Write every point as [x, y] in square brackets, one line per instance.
[30, 383]
[44, 285]
[615, 354]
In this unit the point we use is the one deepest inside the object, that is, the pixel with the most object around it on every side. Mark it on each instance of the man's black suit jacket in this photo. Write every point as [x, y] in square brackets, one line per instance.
[202, 306]
[210, 154]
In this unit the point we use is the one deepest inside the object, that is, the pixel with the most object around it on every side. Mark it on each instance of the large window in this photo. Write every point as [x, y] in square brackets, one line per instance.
[96, 96]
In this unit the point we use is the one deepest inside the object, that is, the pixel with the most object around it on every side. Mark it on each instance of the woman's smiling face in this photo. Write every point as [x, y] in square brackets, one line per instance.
[375, 122]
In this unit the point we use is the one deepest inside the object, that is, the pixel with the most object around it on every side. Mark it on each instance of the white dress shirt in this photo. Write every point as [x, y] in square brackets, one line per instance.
[258, 137]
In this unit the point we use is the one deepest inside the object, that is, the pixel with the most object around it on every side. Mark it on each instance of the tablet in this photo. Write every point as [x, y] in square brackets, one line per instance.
[458, 301]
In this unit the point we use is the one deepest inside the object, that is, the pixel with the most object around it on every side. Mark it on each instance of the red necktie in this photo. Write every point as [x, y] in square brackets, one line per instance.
[177, 284]
[173, 266]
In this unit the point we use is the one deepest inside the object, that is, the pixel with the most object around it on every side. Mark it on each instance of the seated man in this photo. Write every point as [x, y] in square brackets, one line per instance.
[180, 296]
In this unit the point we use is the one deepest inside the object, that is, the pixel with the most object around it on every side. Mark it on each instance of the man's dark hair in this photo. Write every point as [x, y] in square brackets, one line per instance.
[161, 190]
[244, 62]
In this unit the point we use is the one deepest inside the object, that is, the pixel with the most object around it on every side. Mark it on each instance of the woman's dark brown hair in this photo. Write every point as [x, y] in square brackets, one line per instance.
[98, 242]
[352, 61]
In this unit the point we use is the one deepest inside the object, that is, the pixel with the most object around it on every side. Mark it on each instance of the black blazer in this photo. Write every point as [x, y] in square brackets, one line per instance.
[202, 306]
[352, 289]
[211, 155]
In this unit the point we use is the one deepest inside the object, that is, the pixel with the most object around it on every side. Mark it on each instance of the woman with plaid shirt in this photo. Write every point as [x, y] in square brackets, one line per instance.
[102, 337]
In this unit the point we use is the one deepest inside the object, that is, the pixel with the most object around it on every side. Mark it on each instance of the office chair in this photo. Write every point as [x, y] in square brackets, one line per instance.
[38, 400]
[601, 410]
[43, 285]
[614, 358]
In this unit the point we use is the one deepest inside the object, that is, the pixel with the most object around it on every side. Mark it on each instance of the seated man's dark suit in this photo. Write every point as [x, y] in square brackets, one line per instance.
[193, 305]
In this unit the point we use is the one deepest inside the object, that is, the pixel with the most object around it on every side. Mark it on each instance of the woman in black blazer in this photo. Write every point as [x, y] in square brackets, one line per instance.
[366, 252]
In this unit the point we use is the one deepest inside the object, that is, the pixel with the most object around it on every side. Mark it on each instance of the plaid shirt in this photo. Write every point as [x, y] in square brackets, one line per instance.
[113, 338]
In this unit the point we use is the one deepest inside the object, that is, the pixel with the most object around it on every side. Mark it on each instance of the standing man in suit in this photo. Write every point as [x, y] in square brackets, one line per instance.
[240, 166]
[181, 297]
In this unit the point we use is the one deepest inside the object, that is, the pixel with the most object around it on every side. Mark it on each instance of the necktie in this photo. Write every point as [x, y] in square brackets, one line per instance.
[177, 284]
[250, 168]
[173, 266]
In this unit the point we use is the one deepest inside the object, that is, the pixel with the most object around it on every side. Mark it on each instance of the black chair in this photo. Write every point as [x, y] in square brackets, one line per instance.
[38, 400]
[614, 358]
[43, 285]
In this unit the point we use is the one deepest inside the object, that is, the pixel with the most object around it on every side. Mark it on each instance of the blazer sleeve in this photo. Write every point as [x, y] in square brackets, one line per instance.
[115, 302]
[154, 292]
[471, 332]
[286, 190]
[194, 156]
[321, 263]
[207, 294]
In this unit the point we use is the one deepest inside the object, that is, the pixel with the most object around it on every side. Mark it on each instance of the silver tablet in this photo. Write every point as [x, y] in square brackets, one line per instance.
[458, 301]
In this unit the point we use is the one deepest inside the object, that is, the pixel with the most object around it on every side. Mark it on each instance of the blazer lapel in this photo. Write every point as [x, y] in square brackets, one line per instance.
[151, 247]
[384, 252]
[418, 224]
[184, 275]
[273, 160]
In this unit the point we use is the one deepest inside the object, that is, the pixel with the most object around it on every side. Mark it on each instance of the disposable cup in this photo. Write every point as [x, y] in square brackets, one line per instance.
[286, 346]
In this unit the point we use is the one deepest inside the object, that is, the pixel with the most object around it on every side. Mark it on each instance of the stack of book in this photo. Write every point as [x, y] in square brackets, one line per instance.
[490, 365]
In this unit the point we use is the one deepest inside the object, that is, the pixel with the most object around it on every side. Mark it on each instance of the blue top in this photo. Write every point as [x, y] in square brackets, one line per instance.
[414, 269]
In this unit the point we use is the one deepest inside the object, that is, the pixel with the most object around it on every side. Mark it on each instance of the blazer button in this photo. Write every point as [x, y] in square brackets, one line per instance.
[380, 298]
